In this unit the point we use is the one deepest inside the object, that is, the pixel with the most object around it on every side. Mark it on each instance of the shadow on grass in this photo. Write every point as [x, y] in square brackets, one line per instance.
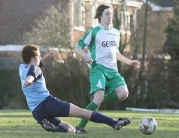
[15, 116]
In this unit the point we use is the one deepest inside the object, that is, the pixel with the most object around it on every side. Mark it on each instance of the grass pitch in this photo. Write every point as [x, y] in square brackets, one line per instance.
[20, 124]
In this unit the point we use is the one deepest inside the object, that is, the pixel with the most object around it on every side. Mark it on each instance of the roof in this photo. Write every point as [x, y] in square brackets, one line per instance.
[17, 17]
[137, 0]
[11, 47]
[164, 3]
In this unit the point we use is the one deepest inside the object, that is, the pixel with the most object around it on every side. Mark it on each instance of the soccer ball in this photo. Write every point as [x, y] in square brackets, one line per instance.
[147, 125]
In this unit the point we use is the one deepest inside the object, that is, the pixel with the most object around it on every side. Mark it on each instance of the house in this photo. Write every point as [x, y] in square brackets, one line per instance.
[125, 10]
[17, 16]
[159, 13]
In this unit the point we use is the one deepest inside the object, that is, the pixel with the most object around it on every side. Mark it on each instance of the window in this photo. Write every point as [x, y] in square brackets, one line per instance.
[79, 13]
[125, 22]
[94, 21]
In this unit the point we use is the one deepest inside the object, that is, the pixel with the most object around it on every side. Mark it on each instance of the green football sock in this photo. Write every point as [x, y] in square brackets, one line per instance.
[91, 106]
[110, 98]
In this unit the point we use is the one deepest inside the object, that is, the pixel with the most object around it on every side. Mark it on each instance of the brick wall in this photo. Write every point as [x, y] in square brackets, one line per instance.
[17, 16]
[157, 22]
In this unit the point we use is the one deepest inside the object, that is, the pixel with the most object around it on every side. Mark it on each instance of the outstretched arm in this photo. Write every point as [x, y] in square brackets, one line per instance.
[47, 56]
[85, 56]
[134, 63]
[29, 80]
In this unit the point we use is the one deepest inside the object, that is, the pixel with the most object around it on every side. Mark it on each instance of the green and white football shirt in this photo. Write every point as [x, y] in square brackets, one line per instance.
[103, 45]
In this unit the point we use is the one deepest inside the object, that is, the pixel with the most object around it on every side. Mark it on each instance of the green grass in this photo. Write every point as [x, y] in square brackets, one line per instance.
[20, 124]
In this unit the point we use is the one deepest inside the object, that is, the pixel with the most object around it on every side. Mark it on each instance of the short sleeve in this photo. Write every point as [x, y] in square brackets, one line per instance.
[85, 40]
[35, 72]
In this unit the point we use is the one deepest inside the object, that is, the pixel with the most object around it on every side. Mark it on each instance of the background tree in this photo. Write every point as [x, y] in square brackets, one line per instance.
[147, 86]
[138, 83]
[172, 30]
[51, 29]
[172, 48]
[66, 77]
[10, 87]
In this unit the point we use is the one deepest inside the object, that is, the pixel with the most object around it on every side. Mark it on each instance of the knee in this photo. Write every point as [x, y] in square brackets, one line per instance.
[98, 100]
[123, 95]
[98, 97]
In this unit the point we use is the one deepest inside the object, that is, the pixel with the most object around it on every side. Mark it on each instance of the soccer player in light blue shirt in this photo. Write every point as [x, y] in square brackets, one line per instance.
[47, 109]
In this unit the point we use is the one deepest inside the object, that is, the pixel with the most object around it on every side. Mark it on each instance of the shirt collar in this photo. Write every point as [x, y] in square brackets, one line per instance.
[102, 27]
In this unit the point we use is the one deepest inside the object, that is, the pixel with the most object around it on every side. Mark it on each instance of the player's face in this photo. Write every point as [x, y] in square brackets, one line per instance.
[36, 59]
[106, 17]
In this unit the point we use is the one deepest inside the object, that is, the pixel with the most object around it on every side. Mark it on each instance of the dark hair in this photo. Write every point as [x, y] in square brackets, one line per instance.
[28, 52]
[100, 10]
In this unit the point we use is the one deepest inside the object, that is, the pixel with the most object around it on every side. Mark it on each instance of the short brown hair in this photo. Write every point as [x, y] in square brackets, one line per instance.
[28, 52]
[100, 10]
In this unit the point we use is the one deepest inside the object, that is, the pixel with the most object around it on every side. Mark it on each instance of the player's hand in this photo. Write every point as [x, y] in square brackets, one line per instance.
[135, 63]
[52, 53]
[27, 83]
[87, 59]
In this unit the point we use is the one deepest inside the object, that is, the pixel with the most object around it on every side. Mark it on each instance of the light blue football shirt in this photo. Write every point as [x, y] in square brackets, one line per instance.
[37, 92]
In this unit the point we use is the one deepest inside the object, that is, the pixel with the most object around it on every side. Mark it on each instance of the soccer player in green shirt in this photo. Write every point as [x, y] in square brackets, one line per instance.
[106, 84]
